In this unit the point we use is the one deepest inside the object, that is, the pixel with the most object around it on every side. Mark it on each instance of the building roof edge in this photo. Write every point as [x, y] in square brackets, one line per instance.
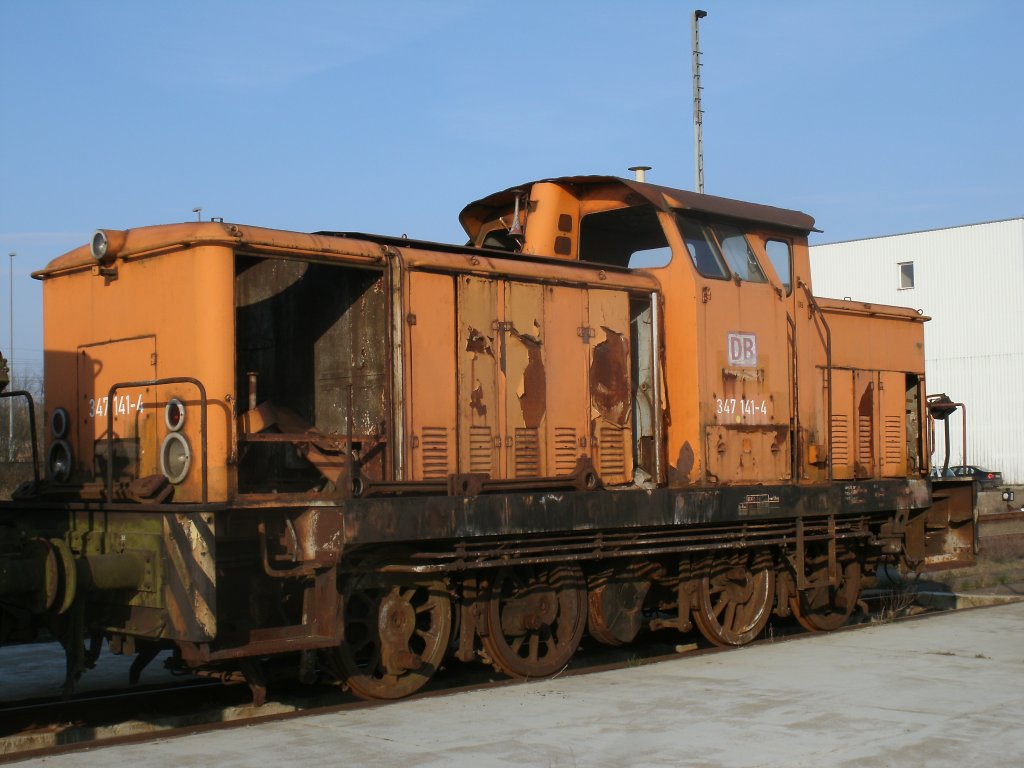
[920, 231]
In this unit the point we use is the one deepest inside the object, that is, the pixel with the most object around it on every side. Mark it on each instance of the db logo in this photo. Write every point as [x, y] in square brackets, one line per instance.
[742, 349]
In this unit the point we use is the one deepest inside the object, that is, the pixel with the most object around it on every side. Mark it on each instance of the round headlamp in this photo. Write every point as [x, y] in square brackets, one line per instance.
[58, 461]
[106, 243]
[175, 457]
[100, 244]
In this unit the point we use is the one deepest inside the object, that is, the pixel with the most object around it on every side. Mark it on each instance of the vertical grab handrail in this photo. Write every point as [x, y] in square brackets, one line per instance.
[31, 425]
[794, 441]
[828, 367]
[109, 485]
[656, 386]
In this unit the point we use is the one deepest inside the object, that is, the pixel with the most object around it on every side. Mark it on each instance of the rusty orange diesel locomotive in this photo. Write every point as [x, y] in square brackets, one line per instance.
[618, 408]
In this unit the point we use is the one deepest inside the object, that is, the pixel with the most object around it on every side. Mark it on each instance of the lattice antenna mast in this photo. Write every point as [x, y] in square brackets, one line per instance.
[698, 113]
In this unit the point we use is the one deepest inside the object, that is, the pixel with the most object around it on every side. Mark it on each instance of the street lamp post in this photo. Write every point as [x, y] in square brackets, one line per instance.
[10, 352]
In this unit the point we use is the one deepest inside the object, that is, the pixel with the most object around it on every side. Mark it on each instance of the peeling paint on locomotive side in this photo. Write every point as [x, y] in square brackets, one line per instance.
[479, 343]
[476, 401]
[550, 498]
[532, 389]
[609, 377]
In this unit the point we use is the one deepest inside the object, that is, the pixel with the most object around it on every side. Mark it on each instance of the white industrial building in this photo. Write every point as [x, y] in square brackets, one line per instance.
[970, 281]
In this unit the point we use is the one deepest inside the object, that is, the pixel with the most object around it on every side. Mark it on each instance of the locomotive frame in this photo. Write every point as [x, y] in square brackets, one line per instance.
[365, 452]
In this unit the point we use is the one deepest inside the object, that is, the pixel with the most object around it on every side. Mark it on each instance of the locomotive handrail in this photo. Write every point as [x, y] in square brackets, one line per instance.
[109, 485]
[794, 361]
[828, 368]
[32, 427]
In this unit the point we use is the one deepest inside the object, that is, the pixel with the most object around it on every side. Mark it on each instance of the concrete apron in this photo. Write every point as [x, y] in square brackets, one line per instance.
[946, 690]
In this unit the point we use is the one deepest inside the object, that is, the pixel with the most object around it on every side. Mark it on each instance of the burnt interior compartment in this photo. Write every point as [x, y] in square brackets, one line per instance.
[312, 333]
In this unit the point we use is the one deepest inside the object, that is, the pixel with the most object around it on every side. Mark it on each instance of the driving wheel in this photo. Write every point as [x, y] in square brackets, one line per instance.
[535, 618]
[826, 607]
[396, 632]
[734, 594]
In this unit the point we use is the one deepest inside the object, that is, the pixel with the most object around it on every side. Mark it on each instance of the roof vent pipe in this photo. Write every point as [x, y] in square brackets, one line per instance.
[640, 171]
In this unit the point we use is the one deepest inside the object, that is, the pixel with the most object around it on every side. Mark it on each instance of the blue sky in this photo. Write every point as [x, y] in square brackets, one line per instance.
[874, 117]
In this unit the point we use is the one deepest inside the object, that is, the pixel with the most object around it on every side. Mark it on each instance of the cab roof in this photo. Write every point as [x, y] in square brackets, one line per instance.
[477, 213]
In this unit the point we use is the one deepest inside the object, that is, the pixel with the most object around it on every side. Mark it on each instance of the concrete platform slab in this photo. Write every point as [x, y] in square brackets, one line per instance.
[944, 691]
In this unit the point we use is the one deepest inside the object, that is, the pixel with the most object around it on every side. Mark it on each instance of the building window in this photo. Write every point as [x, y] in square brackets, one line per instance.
[906, 275]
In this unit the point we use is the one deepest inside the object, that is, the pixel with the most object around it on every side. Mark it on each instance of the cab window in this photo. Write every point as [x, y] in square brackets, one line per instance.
[739, 254]
[782, 260]
[702, 248]
[624, 237]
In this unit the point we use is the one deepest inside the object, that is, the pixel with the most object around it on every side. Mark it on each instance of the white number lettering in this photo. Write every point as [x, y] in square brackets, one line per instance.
[122, 405]
[746, 407]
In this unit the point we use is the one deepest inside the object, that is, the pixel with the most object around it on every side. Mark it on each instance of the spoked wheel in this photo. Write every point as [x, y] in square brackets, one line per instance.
[534, 620]
[734, 595]
[824, 608]
[396, 633]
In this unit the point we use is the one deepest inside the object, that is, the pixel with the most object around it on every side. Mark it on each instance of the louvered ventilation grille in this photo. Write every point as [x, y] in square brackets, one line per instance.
[864, 452]
[613, 455]
[527, 453]
[840, 440]
[481, 450]
[565, 450]
[434, 448]
[893, 440]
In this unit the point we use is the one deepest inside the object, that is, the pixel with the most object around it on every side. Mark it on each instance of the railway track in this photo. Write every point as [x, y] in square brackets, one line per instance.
[41, 727]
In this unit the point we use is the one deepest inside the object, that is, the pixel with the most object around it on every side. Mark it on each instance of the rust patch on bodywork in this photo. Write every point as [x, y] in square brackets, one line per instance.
[476, 401]
[609, 377]
[477, 342]
[781, 436]
[533, 392]
[742, 374]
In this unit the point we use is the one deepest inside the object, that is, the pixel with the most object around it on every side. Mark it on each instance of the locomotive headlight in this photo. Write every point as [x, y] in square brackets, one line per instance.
[106, 243]
[175, 457]
[58, 461]
[174, 414]
[100, 244]
[59, 423]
